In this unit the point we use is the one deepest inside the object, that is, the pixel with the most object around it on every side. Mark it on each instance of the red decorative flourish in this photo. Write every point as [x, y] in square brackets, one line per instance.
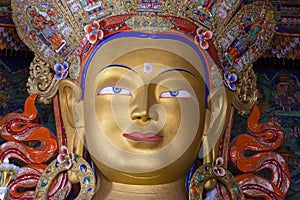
[22, 133]
[24, 186]
[254, 155]
[32, 146]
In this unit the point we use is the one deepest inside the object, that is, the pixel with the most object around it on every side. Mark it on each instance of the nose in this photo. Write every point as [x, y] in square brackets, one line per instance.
[141, 116]
[141, 101]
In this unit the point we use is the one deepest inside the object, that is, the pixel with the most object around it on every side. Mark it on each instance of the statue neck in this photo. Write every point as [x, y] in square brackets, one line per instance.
[115, 191]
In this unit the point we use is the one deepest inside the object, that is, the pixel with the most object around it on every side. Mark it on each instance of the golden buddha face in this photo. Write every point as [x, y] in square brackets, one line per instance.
[144, 114]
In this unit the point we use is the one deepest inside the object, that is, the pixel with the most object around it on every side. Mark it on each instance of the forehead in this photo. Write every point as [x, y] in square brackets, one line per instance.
[155, 57]
[163, 46]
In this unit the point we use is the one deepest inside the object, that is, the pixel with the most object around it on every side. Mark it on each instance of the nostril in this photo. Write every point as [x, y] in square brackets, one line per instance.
[134, 117]
[145, 118]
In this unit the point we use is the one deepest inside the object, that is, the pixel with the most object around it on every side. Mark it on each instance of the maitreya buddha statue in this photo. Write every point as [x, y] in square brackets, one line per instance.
[145, 87]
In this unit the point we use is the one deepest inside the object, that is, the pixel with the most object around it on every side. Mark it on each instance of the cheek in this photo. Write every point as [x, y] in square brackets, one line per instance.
[183, 118]
[187, 117]
[173, 117]
[104, 114]
[112, 113]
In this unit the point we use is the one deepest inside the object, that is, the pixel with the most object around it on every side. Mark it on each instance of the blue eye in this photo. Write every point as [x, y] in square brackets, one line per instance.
[114, 90]
[117, 90]
[176, 94]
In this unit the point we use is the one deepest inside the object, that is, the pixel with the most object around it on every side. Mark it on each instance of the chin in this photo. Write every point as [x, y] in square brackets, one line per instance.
[176, 171]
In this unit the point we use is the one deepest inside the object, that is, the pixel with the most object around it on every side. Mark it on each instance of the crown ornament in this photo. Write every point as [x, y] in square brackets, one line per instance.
[62, 32]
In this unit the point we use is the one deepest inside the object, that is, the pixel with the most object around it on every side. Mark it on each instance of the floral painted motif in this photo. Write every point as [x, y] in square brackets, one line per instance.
[202, 37]
[65, 157]
[217, 167]
[61, 70]
[229, 80]
[93, 32]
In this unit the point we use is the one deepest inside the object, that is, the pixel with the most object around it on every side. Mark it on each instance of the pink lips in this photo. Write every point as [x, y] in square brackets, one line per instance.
[143, 137]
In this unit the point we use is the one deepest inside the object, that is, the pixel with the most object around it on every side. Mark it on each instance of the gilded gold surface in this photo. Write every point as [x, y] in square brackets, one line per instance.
[71, 19]
[115, 115]
[205, 173]
[41, 81]
[108, 116]
[113, 190]
[121, 99]
[86, 177]
[246, 93]
[216, 118]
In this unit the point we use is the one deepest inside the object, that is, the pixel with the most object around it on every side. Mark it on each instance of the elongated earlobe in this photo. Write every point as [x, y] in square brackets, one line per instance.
[215, 124]
[71, 107]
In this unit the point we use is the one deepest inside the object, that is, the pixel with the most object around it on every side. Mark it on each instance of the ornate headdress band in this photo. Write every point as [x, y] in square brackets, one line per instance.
[61, 33]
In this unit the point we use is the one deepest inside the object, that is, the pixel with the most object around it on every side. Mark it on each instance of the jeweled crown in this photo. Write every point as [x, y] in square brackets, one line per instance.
[60, 33]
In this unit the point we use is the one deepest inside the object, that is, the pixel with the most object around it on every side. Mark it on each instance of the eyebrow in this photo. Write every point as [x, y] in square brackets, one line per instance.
[179, 69]
[117, 65]
[129, 68]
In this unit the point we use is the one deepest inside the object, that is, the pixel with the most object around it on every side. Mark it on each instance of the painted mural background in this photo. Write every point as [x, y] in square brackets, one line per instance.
[279, 101]
[14, 72]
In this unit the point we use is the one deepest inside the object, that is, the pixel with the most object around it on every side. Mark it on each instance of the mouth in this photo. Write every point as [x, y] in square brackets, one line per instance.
[143, 137]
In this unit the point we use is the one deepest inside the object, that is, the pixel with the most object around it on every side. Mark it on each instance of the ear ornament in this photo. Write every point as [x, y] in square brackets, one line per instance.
[216, 171]
[67, 161]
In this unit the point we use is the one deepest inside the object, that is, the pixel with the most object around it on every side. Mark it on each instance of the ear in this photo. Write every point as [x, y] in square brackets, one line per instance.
[216, 121]
[71, 107]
